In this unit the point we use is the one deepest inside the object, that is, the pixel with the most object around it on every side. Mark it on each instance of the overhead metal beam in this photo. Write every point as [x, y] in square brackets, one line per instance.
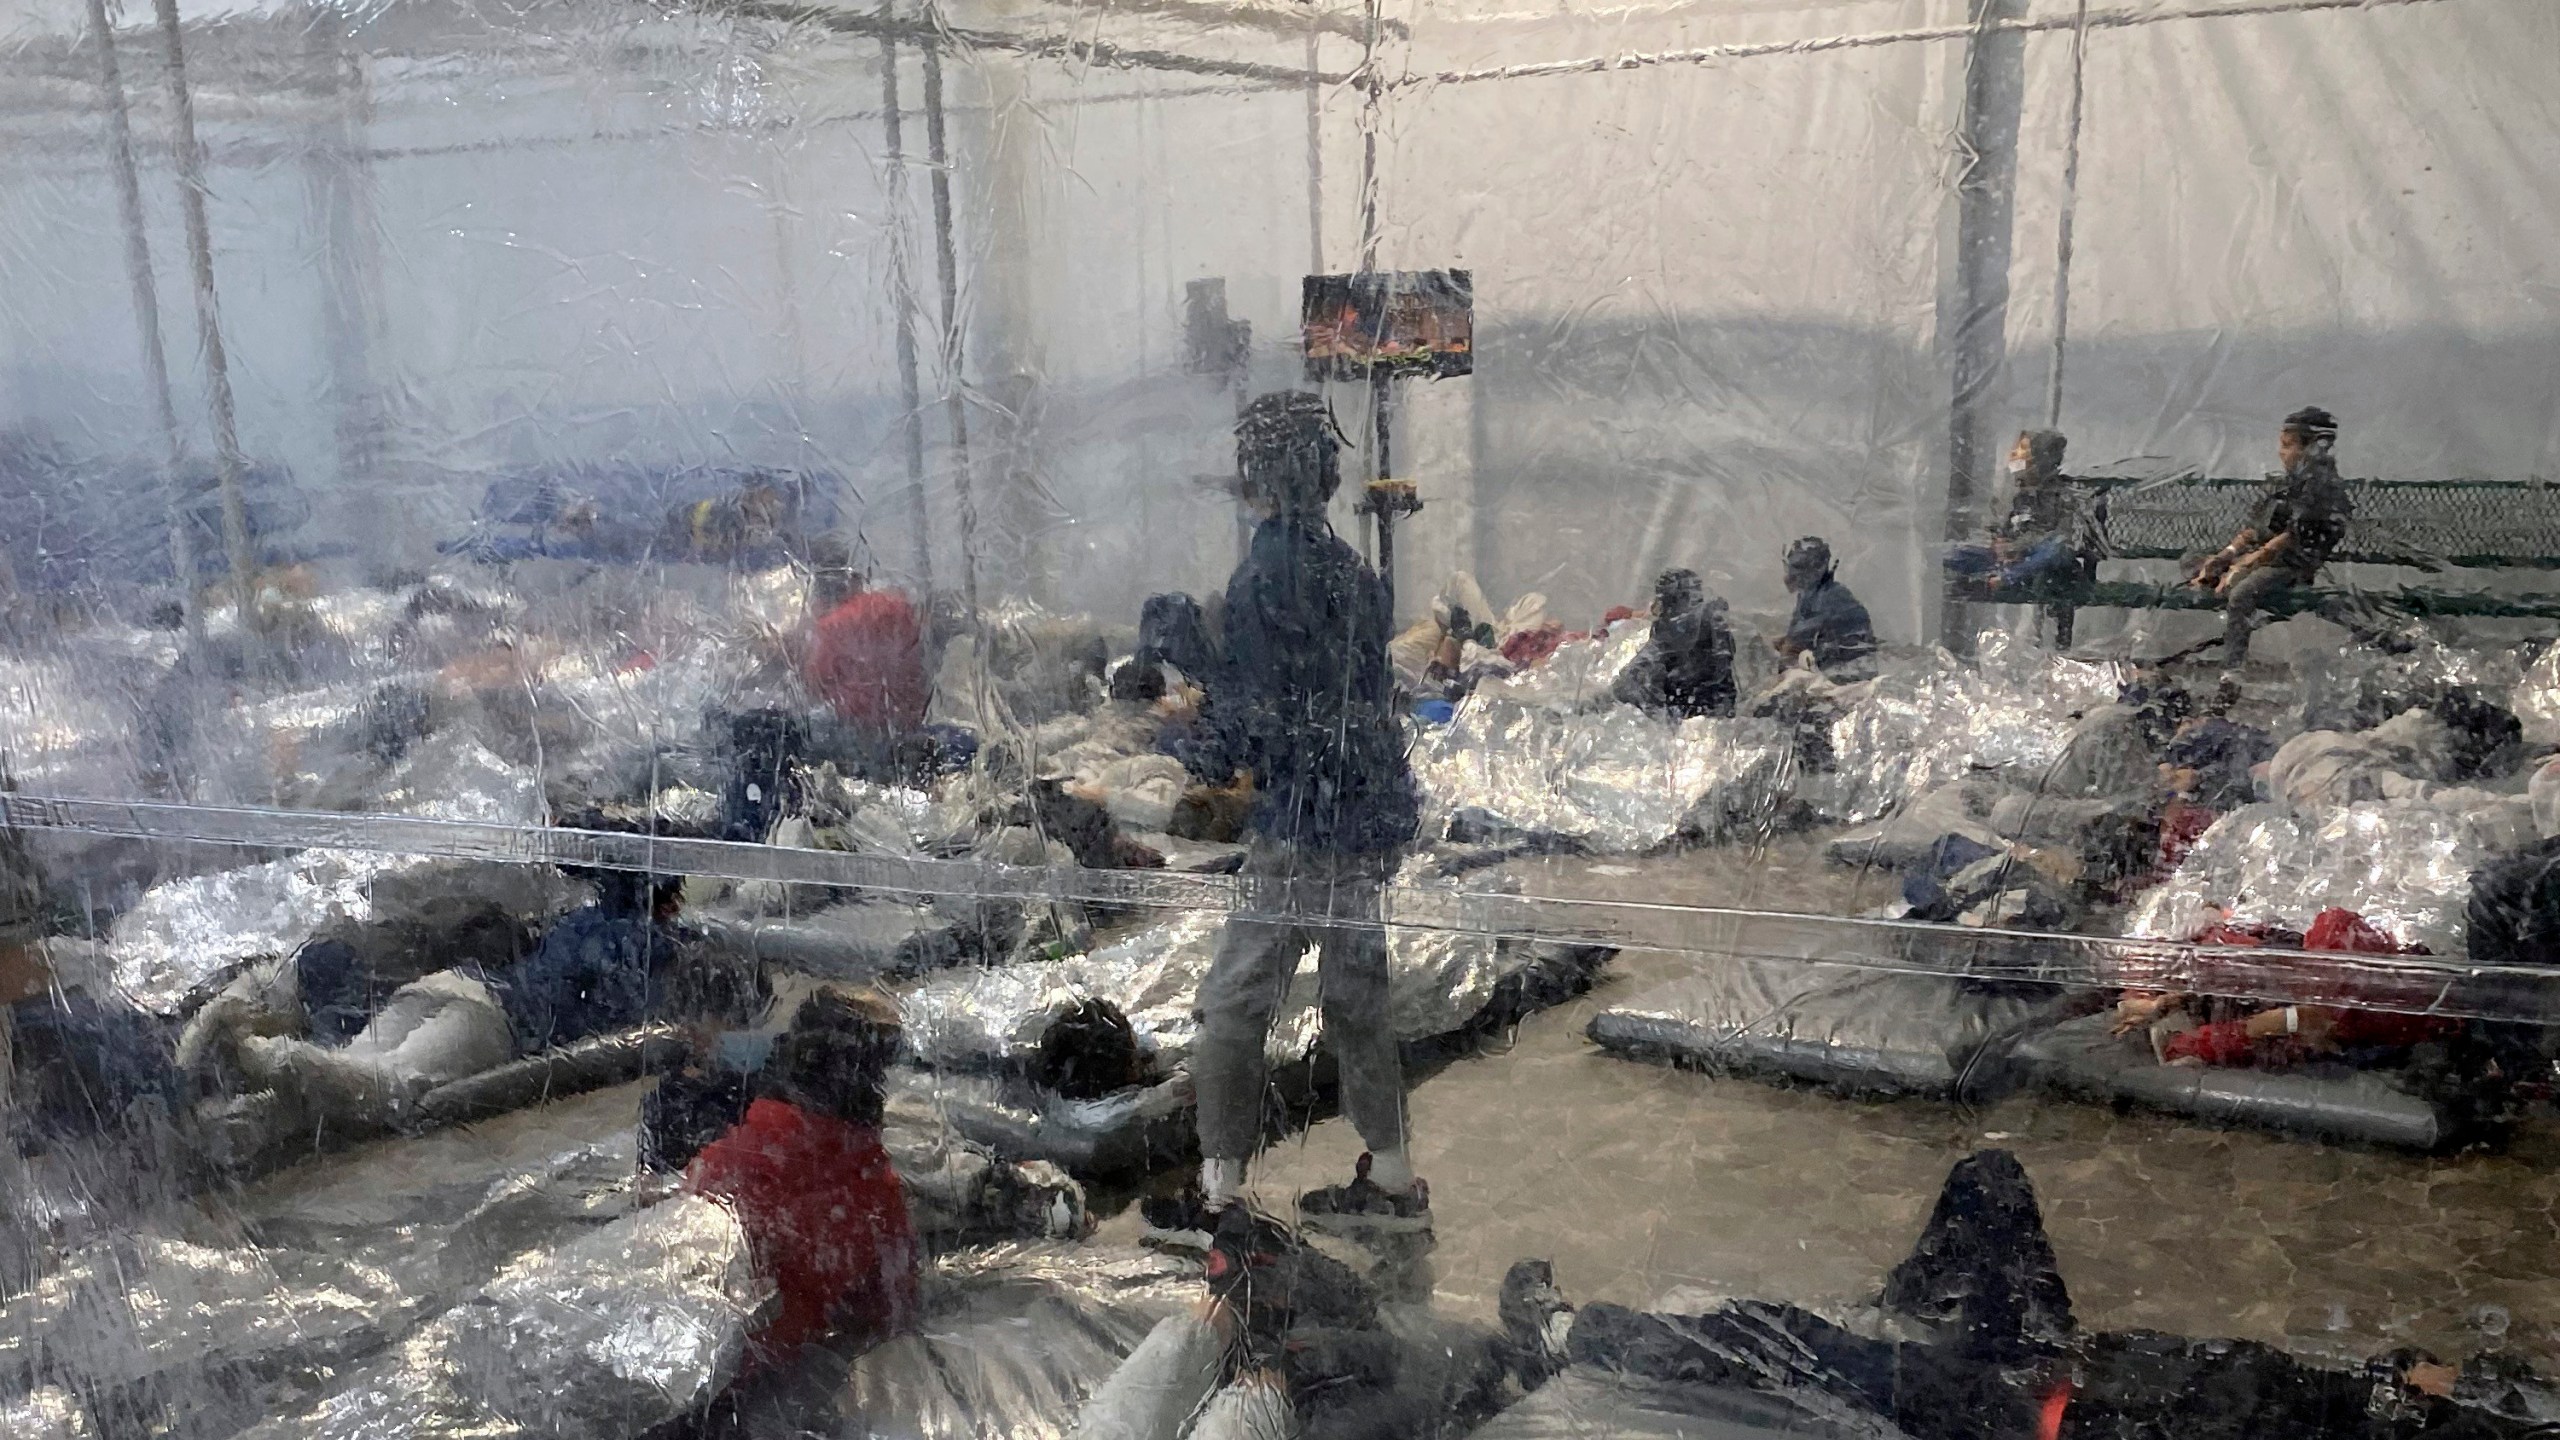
[1048, 47]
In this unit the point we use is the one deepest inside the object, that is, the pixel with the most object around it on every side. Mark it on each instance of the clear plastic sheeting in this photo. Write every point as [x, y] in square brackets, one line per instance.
[621, 1329]
[680, 684]
[185, 936]
[1015, 1341]
[1440, 981]
[993, 1018]
[625, 1328]
[47, 1414]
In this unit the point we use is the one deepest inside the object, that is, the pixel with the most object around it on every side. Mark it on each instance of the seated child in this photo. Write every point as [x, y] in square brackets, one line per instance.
[808, 1179]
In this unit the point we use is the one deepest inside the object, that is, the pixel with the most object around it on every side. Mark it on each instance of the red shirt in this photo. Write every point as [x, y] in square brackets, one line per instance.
[2228, 1042]
[824, 1216]
[866, 660]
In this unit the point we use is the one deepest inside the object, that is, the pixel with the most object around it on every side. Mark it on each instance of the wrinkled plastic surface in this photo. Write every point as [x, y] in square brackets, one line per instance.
[518, 359]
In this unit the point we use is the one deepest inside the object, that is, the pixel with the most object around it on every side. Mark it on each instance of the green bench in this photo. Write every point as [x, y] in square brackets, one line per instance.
[2435, 526]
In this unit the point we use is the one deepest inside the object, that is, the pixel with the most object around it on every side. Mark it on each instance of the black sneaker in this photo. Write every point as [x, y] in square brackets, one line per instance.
[1365, 1207]
[1277, 1283]
[1536, 1318]
[1183, 1222]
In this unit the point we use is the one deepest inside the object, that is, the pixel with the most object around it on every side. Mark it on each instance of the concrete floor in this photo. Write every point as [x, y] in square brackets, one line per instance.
[1640, 1181]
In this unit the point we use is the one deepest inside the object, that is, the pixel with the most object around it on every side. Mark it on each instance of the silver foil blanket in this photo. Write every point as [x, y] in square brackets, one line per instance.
[1578, 676]
[173, 1326]
[183, 936]
[2536, 699]
[896, 819]
[1616, 781]
[2349, 687]
[625, 1328]
[1023, 666]
[2404, 866]
[209, 1334]
[1907, 732]
[976, 1019]
[1014, 1340]
[67, 720]
[622, 1329]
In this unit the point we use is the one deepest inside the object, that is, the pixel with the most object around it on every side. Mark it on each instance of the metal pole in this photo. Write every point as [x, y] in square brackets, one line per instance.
[938, 150]
[1376, 90]
[191, 193]
[339, 177]
[1382, 399]
[1973, 313]
[2062, 244]
[902, 295]
[146, 308]
[1315, 146]
[1369, 117]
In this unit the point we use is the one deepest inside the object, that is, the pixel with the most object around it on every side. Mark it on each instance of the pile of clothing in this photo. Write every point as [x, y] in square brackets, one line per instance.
[1465, 641]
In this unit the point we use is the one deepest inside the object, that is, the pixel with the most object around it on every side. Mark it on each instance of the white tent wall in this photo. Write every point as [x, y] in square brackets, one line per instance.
[1691, 349]
[1713, 297]
[654, 244]
[1087, 202]
[2352, 209]
[1705, 308]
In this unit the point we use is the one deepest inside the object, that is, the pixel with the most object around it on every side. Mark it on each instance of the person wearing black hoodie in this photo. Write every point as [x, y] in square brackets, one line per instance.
[1990, 1351]
[1305, 704]
[1686, 667]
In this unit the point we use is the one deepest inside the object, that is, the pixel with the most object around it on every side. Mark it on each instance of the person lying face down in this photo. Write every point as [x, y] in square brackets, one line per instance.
[2003, 1358]
[812, 1186]
[1090, 1050]
[1686, 667]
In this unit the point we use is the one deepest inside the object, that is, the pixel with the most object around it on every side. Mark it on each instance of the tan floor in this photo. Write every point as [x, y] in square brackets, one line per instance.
[1638, 1181]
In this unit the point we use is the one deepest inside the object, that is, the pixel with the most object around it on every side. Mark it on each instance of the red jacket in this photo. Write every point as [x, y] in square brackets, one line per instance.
[866, 660]
[2228, 1042]
[825, 1218]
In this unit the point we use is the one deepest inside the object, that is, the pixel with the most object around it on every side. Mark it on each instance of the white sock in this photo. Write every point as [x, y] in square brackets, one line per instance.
[1389, 1170]
[1221, 1180]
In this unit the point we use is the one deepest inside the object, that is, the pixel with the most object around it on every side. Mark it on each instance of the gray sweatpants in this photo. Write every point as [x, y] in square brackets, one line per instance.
[1332, 903]
[2244, 606]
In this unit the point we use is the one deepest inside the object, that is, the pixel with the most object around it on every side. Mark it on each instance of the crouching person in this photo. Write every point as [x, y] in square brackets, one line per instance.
[812, 1186]
[824, 1213]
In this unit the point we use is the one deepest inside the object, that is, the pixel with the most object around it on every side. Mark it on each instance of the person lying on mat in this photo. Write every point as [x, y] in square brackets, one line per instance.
[599, 969]
[1991, 1352]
